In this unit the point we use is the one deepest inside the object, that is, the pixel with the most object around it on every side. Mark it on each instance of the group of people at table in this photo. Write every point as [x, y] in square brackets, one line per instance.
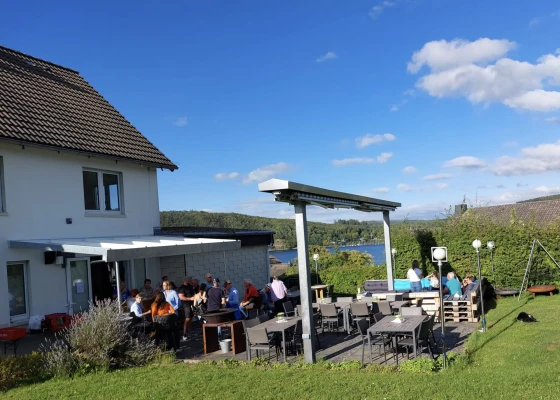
[193, 300]
[453, 287]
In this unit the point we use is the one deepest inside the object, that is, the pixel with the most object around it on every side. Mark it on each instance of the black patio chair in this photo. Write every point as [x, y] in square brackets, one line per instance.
[330, 316]
[258, 339]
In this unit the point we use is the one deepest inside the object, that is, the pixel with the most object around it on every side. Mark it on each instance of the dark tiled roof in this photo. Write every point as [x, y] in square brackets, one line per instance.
[542, 212]
[49, 105]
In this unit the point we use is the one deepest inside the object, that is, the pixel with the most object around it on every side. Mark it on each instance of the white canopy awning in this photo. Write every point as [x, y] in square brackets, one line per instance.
[129, 247]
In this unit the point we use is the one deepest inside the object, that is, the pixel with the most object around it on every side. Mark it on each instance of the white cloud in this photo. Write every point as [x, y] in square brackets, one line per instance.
[266, 172]
[532, 160]
[370, 138]
[521, 185]
[463, 69]
[380, 159]
[553, 120]
[534, 22]
[403, 187]
[222, 176]
[409, 170]
[442, 55]
[409, 92]
[181, 121]
[546, 189]
[500, 186]
[536, 100]
[356, 160]
[510, 143]
[384, 157]
[442, 186]
[436, 177]
[378, 9]
[331, 55]
[468, 162]
[394, 108]
[381, 190]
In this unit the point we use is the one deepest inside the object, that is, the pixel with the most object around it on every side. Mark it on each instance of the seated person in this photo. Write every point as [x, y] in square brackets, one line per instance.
[251, 295]
[267, 303]
[136, 307]
[434, 281]
[453, 286]
[125, 293]
[132, 299]
[147, 291]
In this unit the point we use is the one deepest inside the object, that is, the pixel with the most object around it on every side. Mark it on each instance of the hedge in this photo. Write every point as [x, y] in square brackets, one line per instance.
[513, 245]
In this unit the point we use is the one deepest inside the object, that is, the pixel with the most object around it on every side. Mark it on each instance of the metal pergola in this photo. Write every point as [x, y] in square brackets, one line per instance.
[300, 196]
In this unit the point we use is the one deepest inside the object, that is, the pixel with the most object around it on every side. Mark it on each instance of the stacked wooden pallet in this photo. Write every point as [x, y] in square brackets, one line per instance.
[459, 311]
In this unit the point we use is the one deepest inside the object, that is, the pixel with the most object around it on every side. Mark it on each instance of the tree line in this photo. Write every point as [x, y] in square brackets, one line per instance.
[339, 233]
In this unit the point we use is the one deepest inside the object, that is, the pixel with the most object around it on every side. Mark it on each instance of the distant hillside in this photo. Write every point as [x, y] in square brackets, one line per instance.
[341, 232]
[552, 197]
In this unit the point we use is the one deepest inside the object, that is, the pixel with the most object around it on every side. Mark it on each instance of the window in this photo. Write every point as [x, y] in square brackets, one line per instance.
[17, 290]
[2, 197]
[102, 191]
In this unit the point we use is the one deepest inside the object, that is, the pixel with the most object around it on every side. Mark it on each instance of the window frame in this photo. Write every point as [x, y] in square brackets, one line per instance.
[101, 193]
[2, 188]
[25, 316]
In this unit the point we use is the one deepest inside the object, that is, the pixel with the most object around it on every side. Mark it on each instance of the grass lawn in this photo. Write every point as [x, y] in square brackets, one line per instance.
[513, 360]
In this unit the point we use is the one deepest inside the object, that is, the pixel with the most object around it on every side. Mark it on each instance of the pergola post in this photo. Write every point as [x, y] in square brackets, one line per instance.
[388, 260]
[304, 282]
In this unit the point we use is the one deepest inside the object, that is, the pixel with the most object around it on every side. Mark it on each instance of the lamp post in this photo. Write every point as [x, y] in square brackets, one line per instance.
[439, 255]
[394, 253]
[476, 244]
[316, 258]
[491, 245]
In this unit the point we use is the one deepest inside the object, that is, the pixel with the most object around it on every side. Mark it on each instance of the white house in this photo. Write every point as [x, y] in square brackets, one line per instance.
[79, 196]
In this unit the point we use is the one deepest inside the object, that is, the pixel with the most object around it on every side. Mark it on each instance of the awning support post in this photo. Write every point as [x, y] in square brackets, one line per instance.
[118, 278]
[388, 260]
[305, 283]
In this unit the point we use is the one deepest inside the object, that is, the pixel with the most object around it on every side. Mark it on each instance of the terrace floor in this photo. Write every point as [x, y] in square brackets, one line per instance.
[334, 348]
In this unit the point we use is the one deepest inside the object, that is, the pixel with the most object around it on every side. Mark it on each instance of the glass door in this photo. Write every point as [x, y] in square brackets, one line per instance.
[17, 291]
[78, 278]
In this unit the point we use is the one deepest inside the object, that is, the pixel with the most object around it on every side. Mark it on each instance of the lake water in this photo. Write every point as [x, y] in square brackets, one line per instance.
[376, 250]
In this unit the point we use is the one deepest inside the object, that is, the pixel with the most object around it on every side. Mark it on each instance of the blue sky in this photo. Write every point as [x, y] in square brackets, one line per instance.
[424, 102]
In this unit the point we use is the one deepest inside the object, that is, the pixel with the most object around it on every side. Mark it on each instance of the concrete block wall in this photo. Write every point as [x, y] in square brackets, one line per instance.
[247, 262]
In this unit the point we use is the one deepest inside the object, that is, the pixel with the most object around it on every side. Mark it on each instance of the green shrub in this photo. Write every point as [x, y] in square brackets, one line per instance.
[98, 341]
[18, 370]
[418, 365]
[347, 366]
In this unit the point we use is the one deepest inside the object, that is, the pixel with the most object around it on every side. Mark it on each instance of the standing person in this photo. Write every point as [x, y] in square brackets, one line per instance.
[195, 285]
[412, 276]
[159, 286]
[215, 296]
[200, 300]
[209, 281]
[232, 298]
[170, 295]
[278, 293]
[186, 295]
[251, 295]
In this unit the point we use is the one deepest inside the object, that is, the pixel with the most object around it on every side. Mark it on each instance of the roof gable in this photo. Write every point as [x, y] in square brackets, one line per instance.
[45, 104]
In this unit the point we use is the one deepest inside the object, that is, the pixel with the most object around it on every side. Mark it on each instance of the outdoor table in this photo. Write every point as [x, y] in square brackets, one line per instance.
[210, 337]
[318, 290]
[273, 326]
[294, 294]
[408, 325]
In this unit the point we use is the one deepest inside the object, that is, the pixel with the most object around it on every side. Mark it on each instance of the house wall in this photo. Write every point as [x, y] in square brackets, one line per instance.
[42, 189]
[247, 262]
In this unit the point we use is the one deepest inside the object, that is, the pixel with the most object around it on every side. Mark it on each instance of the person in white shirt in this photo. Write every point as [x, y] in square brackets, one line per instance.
[414, 278]
[278, 293]
[136, 307]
